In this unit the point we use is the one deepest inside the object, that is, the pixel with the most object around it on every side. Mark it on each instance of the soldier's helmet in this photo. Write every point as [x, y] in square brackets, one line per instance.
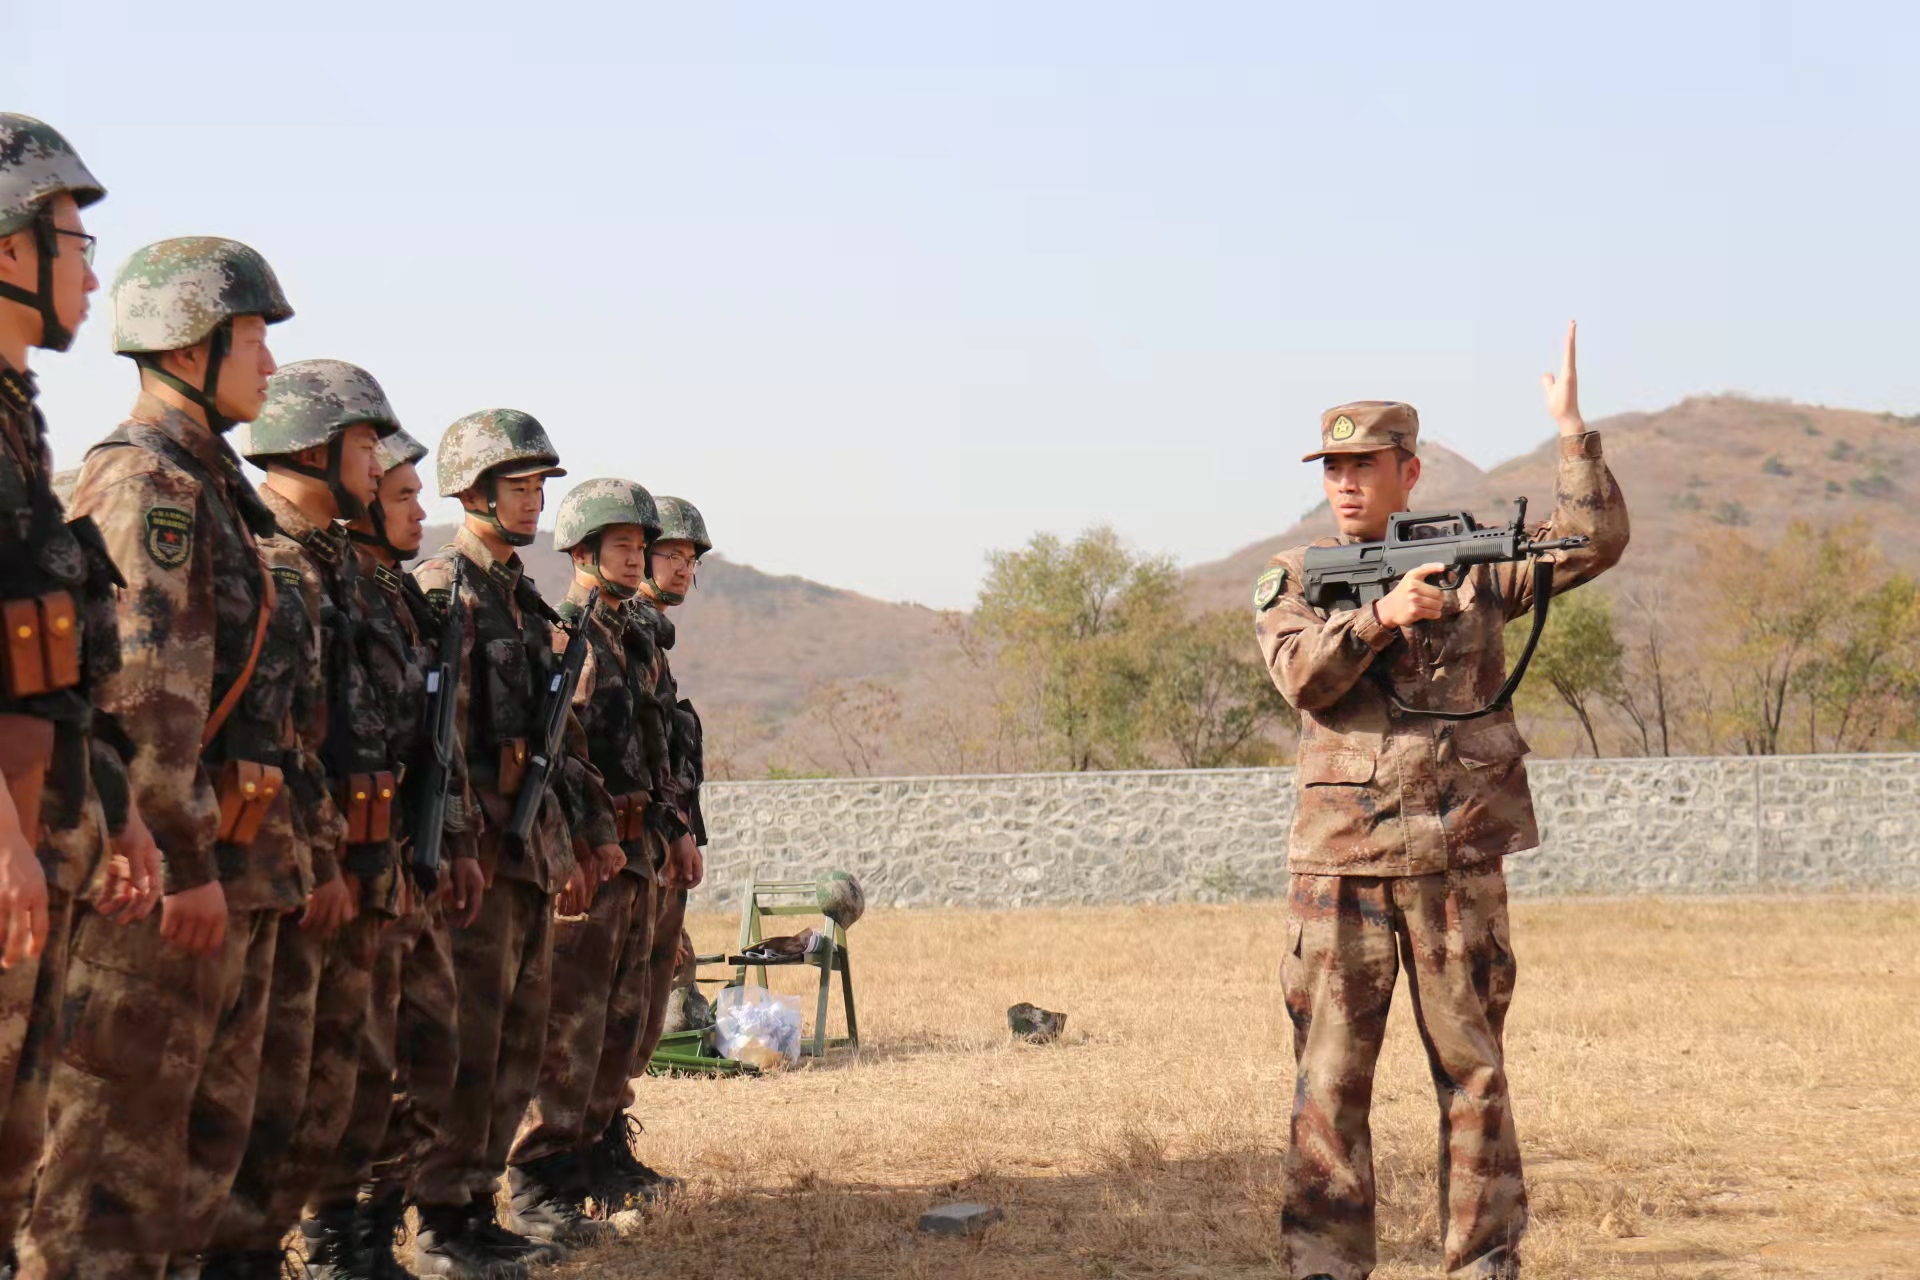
[397, 449]
[505, 442]
[174, 294]
[841, 898]
[36, 164]
[680, 521]
[599, 504]
[309, 403]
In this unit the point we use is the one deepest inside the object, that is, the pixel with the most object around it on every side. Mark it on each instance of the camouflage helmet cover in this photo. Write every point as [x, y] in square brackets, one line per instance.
[841, 898]
[310, 402]
[35, 164]
[680, 522]
[397, 449]
[599, 504]
[506, 442]
[173, 294]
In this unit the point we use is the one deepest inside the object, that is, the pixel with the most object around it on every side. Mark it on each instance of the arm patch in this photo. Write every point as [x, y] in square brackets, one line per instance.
[1267, 590]
[169, 536]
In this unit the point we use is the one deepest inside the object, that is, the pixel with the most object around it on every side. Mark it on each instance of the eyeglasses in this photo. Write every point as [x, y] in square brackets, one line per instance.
[677, 559]
[87, 244]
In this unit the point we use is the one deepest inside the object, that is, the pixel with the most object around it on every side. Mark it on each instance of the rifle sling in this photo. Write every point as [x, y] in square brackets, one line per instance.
[1542, 597]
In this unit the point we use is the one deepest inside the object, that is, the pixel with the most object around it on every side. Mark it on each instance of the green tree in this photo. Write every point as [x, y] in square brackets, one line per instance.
[1078, 620]
[1212, 701]
[1579, 657]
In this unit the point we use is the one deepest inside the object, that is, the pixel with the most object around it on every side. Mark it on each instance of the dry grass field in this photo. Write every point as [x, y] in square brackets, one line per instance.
[1704, 1089]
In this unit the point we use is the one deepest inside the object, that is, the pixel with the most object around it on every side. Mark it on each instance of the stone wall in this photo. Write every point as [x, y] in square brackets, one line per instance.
[1735, 825]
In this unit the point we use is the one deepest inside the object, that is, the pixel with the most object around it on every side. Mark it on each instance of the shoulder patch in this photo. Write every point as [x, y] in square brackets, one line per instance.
[288, 576]
[169, 536]
[1267, 590]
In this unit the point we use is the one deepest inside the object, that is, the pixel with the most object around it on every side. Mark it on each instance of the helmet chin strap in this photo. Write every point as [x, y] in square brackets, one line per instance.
[615, 590]
[54, 336]
[349, 504]
[218, 343]
[492, 516]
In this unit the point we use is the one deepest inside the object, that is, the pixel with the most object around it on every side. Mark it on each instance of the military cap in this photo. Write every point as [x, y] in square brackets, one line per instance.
[1367, 426]
[840, 896]
[309, 402]
[599, 504]
[397, 450]
[36, 163]
[174, 294]
[505, 442]
[680, 521]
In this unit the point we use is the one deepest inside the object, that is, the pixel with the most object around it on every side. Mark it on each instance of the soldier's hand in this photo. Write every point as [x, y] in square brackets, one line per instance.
[194, 921]
[610, 860]
[1563, 392]
[575, 897]
[328, 907]
[134, 875]
[466, 884]
[685, 865]
[23, 898]
[1414, 600]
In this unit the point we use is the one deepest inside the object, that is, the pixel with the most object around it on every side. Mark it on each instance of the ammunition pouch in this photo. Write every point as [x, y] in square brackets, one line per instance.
[367, 802]
[513, 767]
[247, 790]
[42, 649]
[630, 816]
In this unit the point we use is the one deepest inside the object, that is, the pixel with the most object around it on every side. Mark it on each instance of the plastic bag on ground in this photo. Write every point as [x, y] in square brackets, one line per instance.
[757, 1027]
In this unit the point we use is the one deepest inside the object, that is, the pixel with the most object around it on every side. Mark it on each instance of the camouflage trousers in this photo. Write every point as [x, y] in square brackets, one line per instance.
[151, 1096]
[409, 1053]
[316, 1011]
[502, 970]
[31, 994]
[595, 1020]
[667, 924]
[1347, 939]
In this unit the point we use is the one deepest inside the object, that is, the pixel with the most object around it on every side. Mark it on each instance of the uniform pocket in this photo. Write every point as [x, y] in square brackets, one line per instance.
[1483, 743]
[1329, 768]
[506, 690]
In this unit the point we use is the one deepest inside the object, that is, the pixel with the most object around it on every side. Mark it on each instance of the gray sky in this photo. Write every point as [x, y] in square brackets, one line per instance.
[883, 286]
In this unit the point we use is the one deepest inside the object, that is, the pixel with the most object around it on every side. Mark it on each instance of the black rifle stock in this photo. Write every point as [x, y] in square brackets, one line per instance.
[1359, 575]
[443, 689]
[553, 728]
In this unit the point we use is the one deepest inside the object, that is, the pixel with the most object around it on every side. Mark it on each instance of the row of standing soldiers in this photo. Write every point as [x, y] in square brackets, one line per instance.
[322, 894]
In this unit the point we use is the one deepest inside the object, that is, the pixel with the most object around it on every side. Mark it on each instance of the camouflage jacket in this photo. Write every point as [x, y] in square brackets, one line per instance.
[183, 525]
[685, 737]
[41, 553]
[626, 723]
[1385, 793]
[508, 661]
[315, 565]
[398, 639]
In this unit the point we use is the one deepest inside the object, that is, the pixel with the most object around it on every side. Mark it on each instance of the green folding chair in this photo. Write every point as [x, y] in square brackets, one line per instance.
[760, 899]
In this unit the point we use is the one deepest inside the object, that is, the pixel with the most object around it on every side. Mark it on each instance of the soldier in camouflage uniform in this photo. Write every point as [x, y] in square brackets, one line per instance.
[671, 564]
[64, 759]
[601, 963]
[153, 1093]
[409, 1046]
[1397, 843]
[315, 439]
[496, 462]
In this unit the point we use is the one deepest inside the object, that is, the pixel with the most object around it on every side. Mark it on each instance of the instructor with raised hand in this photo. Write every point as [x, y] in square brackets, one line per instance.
[1398, 839]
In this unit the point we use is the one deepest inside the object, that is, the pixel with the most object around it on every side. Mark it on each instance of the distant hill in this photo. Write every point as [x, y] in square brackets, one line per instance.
[1708, 466]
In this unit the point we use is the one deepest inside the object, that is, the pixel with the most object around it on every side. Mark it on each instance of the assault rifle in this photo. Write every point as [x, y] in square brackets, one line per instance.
[443, 692]
[553, 728]
[1359, 575]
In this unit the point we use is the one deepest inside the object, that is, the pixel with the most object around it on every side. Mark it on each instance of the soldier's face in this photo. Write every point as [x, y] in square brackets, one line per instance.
[1366, 489]
[73, 278]
[400, 504]
[673, 564]
[518, 501]
[623, 555]
[359, 468]
[242, 391]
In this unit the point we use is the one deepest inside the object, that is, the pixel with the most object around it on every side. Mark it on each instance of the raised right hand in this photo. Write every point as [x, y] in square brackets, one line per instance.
[194, 921]
[1414, 600]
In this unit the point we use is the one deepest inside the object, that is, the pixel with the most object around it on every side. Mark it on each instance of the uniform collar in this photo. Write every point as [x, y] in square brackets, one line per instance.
[606, 610]
[186, 431]
[18, 387]
[506, 572]
[324, 541]
[385, 575]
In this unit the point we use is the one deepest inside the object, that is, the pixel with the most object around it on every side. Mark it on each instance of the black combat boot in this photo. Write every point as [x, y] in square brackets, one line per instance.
[510, 1245]
[549, 1201]
[240, 1264]
[449, 1245]
[383, 1223]
[334, 1247]
[618, 1177]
